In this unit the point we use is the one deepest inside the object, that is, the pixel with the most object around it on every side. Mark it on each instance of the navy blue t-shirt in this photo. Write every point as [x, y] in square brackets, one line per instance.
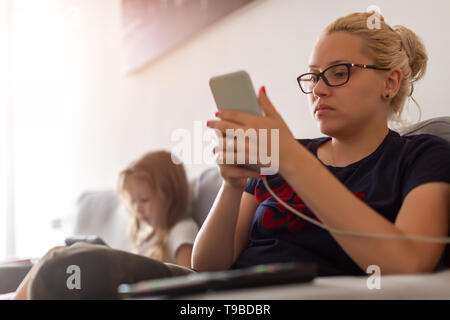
[381, 180]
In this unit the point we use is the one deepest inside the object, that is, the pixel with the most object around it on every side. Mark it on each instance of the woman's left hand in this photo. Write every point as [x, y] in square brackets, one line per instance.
[277, 146]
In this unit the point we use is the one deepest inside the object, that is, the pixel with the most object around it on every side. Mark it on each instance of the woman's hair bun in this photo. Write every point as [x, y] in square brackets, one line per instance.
[415, 50]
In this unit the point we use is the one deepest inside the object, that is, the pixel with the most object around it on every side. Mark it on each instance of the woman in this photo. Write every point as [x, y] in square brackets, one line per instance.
[364, 177]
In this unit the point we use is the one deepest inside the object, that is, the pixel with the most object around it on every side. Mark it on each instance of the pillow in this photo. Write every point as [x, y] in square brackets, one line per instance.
[204, 192]
[439, 126]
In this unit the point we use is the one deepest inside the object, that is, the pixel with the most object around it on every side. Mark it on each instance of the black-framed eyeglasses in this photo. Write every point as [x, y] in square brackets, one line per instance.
[333, 76]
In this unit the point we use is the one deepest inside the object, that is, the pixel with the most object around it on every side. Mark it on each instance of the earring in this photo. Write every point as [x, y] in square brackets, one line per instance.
[387, 96]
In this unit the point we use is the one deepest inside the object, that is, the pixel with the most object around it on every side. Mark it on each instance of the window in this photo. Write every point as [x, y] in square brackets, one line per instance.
[7, 237]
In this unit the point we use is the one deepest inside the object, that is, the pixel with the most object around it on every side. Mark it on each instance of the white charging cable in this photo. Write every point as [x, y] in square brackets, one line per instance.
[352, 233]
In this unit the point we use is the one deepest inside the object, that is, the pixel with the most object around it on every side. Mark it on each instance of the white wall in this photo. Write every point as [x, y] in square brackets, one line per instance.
[79, 119]
[4, 131]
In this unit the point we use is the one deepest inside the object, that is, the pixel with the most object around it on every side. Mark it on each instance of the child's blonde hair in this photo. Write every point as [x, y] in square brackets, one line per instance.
[169, 179]
[396, 47]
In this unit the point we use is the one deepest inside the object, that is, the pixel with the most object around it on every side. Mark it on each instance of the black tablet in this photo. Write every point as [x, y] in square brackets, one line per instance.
[257, 276]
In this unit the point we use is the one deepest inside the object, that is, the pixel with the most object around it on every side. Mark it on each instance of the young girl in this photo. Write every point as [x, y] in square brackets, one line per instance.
[363, 177]
[155, 192]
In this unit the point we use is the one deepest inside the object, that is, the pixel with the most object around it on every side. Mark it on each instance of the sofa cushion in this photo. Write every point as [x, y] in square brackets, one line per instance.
[439, 126]
[101, 213]
[205, 189]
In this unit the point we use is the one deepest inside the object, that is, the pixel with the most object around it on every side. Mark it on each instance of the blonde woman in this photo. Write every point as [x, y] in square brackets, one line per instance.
[155, 191]
[363, 177]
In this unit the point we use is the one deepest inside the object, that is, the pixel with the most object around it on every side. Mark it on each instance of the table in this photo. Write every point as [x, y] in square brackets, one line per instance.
[433, 286]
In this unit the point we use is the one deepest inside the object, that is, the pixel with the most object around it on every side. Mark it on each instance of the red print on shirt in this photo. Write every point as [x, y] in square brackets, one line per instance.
[273, 219]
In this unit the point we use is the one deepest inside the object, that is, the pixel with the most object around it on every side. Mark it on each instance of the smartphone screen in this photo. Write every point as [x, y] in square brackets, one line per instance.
[234, 91]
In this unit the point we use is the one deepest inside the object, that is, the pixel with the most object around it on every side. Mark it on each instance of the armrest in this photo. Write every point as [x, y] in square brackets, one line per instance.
[12, 274]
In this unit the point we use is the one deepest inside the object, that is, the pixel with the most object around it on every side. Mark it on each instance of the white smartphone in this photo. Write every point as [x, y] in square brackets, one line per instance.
[234, 91]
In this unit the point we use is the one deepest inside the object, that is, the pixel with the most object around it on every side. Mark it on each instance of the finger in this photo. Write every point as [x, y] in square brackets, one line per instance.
[238, 157]
[223, 125]
[223, 157]
[239, 117]
[246, 151]
[225, 144]
[233, 171]
[230, 157]
[266, 105]
[217, 132]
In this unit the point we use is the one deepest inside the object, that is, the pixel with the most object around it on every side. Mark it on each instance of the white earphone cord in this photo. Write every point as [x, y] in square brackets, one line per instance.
[353, 233]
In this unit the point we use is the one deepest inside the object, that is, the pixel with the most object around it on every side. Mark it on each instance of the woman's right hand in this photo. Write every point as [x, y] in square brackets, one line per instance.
[223, 235]
[234, 177]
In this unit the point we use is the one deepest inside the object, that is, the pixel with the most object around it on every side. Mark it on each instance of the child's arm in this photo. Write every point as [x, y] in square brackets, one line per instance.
[184, 255]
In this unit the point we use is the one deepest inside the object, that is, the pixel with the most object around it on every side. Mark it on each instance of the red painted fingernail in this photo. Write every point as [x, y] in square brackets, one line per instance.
[263, 89]
[207, 123]
[216, 114]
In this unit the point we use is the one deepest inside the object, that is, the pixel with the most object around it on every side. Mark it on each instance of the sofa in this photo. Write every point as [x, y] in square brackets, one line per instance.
[101, 213]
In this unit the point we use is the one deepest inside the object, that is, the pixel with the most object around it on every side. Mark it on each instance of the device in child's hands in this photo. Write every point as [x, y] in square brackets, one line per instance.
[234, 91]
[92, 239]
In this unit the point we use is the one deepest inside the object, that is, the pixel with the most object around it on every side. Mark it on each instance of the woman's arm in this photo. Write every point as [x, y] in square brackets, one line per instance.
[340, 209]
[224, 233]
